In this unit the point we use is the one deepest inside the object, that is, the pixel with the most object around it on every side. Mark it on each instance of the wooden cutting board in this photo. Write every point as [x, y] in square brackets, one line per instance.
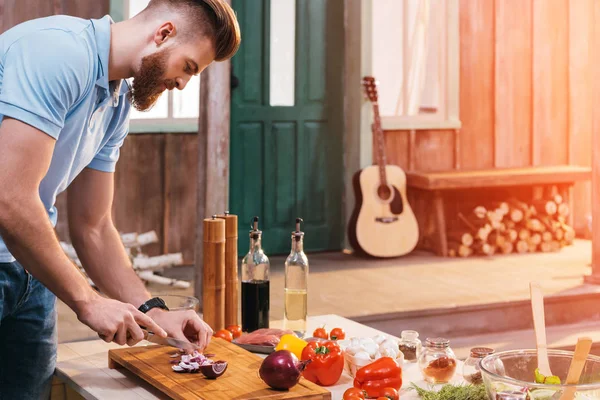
[240, 381]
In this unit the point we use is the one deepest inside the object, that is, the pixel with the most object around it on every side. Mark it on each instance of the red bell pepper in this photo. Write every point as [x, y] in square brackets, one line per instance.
[327, 362]
[378, 375]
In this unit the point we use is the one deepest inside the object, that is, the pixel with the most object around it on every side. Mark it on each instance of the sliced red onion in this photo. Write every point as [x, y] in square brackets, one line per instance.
[177, 368]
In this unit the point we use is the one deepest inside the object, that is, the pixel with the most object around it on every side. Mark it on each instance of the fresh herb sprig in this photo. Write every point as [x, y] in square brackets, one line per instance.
[453, 392]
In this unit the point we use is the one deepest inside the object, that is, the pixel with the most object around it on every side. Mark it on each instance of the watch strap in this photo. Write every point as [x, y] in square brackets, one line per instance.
[155, 302]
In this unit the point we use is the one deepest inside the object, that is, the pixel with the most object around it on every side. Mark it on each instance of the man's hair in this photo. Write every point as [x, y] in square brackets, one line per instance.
[213, 18]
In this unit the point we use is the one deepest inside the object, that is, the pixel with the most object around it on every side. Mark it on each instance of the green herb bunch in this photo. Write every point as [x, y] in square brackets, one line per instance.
[453, 392]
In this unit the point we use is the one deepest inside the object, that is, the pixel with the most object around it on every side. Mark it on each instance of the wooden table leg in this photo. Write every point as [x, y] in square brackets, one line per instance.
[440, 224]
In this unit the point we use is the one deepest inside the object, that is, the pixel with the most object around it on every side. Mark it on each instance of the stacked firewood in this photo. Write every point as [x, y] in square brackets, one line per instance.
[512, 226]
[146, 267]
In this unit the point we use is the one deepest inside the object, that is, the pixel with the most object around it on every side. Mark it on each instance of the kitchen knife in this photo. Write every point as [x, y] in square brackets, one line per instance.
[169, 341]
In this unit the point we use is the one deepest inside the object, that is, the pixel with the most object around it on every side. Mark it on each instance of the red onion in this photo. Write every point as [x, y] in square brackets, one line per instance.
[281, 369]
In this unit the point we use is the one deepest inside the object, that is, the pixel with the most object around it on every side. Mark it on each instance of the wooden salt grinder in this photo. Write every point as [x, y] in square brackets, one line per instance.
[213, 283]
[231, 268]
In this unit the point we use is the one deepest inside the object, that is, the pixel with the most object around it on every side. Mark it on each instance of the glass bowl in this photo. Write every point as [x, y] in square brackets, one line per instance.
[177, 302]
[514, 370]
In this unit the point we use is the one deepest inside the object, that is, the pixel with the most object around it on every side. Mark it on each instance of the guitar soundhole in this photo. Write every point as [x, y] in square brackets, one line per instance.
[397, 206]
[384, 192]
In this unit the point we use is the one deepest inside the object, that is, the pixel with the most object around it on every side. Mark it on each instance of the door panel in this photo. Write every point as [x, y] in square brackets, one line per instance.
[286, 161]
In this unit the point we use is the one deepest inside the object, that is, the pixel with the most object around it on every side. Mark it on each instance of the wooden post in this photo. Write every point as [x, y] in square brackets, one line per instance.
[213, 154]
[440, 223]
[594, 278]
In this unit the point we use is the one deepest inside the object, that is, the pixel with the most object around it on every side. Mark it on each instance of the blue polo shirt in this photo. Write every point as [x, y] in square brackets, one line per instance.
[54, 76]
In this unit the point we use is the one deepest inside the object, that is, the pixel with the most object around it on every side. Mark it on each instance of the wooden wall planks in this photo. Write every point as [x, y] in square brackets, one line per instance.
[181, 172]
[525, 92]
[476, 84]
[550, 81]
[581, 91]
[512, 97]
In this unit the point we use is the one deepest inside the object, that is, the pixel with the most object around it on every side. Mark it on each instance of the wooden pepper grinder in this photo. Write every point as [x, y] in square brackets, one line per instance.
[231, 269]
[213, 291]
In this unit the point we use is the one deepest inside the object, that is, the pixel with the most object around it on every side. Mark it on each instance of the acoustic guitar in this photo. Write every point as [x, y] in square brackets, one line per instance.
[382, 224]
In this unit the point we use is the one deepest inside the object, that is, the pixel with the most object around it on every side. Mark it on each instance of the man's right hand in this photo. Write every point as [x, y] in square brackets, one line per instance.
[115, 321]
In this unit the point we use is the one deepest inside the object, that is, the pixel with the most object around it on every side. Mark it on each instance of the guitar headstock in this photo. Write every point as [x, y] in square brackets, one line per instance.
[370, 85]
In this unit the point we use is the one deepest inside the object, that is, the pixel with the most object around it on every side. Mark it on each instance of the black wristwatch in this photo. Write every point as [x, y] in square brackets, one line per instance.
[153, 303]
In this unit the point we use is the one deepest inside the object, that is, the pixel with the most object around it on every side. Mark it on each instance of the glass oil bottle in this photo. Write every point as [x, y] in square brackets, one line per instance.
[255, 299]
[296, 285]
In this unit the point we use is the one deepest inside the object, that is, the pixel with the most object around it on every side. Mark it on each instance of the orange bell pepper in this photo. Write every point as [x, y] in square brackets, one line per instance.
[327, 362]
[378, 375]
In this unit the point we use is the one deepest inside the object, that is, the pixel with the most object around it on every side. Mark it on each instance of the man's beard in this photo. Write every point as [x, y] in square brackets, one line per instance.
[147, 83]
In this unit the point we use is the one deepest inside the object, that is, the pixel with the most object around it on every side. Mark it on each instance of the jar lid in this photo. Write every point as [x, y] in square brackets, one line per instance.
[437, 342]
[409, 334]
[481, 352]
[511, 395]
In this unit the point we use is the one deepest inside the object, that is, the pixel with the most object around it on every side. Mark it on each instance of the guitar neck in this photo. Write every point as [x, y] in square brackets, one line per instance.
[380, 150]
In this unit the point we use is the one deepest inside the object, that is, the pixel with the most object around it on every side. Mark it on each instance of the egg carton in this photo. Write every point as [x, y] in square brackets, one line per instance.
[359, 352]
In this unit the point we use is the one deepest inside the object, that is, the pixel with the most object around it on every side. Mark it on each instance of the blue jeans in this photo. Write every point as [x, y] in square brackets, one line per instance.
[27, 335]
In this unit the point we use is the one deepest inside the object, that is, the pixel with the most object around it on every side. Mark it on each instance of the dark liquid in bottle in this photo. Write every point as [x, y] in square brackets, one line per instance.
[255, 305]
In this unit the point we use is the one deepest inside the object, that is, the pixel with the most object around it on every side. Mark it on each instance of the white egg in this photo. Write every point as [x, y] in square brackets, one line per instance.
[355, 342]
[354, 349]
[362, 355]
[379, 339]
[390, 342]
[389, 351]
[371, 348]
[364, 341]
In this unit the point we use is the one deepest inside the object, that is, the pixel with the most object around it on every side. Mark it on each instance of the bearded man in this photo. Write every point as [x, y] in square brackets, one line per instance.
[64, 105]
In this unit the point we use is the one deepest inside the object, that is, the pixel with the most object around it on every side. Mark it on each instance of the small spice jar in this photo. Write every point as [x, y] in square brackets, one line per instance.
[410, 346]
[471, 370]
[437, 361]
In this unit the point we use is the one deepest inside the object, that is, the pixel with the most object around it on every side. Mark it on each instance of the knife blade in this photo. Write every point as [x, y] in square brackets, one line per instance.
[170, 341]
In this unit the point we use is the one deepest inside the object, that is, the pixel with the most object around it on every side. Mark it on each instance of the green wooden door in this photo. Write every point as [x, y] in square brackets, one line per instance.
[286, 160]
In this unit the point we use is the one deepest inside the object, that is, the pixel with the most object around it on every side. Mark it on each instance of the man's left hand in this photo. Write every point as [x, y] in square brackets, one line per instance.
[184, 325]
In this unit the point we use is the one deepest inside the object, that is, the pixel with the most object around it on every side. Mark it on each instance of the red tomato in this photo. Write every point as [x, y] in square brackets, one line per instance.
[382, 398]
[320, 333]
[390, 393]
[354, 397]
[224, 334]
[337, 334]
[354, 393]
[236, 330]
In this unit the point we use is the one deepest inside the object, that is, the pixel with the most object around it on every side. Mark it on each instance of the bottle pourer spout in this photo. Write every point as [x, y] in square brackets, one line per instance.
[298, 221]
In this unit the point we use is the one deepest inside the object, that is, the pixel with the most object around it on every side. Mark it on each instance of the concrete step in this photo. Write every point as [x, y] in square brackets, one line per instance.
[563, 337]
[494, 318]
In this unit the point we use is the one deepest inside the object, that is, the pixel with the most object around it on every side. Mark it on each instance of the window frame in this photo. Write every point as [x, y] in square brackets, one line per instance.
[118, 10]
[450, 119]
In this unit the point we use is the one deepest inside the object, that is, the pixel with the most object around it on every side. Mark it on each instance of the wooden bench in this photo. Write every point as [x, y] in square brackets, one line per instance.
[438, 184]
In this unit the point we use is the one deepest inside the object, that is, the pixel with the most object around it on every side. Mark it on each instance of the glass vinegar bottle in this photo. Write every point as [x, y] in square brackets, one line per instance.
[296, 285]
[255, 299]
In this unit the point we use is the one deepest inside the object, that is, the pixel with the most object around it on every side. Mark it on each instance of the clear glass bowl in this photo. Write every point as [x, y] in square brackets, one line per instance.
[515, 371]
[177, 302]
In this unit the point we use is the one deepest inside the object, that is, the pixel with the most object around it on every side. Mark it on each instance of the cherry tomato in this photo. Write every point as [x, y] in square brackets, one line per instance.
[382, 398]
[320, 333]
[354, 393]
[337, 334]
[390, 393]
[224, 334]
[354, 397]
[236, 330]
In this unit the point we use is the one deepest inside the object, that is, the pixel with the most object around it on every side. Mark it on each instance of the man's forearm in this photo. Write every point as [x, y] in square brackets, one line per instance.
[103, 256]
[29, 236]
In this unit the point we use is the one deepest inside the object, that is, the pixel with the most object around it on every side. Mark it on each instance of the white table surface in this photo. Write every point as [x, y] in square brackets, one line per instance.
[84, 367]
